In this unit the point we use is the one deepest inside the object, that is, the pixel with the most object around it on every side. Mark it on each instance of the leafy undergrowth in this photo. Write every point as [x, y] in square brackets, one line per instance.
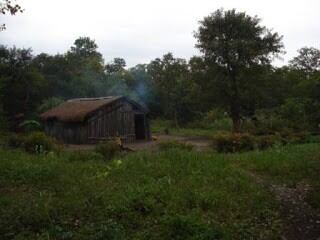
[289, 165]
[161, 126]
[172, 194]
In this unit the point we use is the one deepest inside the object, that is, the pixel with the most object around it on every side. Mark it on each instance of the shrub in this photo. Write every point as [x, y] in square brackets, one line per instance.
[267, 141]
[222, 123]
[288, 136]
[312, 139]
[233, 142]
[165, 145]
[240, 142]
[298, 137]
[265, 122]
[4, 121]
[108, 149]
[49, 103]
[214, 115]
[30, 126]
[159, 125]
[16, 141]
[39, 142]
[294, 110]
[85, 156]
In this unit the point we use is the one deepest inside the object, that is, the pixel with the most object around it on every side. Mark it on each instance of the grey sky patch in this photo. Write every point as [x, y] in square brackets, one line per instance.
[142, 30]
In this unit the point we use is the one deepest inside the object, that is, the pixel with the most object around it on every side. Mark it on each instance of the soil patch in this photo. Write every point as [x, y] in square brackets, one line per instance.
[302, 221]
[200, 143]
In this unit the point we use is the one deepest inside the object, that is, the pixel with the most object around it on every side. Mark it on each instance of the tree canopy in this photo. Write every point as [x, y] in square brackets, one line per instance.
[232, 78]
[8, 7]
[238, 45]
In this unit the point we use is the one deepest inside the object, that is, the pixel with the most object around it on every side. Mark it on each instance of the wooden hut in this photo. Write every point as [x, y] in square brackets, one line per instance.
[88, 120]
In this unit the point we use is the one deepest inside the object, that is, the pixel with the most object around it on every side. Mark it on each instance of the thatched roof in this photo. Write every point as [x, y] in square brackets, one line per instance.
[76, 110]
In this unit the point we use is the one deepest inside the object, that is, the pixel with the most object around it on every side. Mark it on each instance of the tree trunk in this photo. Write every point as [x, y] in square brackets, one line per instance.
[235, 115]
[235, 103]
[176, 119]
[236, 124]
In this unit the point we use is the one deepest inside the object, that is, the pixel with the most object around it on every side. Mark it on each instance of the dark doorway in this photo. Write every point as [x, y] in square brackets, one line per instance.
[139, 124]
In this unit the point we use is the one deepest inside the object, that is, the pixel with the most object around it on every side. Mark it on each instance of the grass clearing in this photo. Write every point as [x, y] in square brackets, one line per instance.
[172, 194]
[289, 165]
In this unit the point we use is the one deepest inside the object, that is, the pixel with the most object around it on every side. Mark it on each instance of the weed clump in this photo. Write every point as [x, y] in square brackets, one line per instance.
[15, 141]
[39, 142]
[267, 141]
[233, 142]
[35, 142]
[181, 227]
[173, 144]
[242, 142]
[82, 156]
[108, 149]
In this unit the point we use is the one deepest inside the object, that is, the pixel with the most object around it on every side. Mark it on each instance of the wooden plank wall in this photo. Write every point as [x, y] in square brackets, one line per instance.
[115, 120]
[75, 133]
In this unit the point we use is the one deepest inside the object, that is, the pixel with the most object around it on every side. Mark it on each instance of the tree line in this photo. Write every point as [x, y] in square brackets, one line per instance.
[233, 74]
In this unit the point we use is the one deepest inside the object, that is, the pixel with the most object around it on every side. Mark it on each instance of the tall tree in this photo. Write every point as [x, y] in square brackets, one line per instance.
[237, 43]
[306, 88]
[21, 85]
[85, 47]
[308, 60]
[84, 55]
[117, 65]
[170, 77]
[77, 73]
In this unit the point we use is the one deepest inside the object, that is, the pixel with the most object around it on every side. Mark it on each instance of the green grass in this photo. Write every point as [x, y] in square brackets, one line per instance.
[287, 165]
[172, 194]
[159, 126]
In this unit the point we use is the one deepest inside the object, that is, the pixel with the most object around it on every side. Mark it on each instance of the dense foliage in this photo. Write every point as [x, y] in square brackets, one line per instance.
[239, 48]
[239, 84]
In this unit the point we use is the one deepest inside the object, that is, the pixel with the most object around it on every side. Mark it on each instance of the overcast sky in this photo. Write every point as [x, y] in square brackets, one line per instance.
[141, 30]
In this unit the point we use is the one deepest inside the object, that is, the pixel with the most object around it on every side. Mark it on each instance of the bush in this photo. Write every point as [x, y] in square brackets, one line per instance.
[165, 145]
[265, 122]
[267, 141]
[49, 103]
[108, 149]
[85, 156]
[16, 141]
[206, 120]
[39, 142]
[312, 139]
[233, 142]
[294, 110]
[288, 136]
[30, 126]
[4, 122]
[240, 142]
[215, 119]
[297, 137]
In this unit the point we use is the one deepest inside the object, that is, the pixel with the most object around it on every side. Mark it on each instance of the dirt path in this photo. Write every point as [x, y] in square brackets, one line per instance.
[302, 221]
[200, 143]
